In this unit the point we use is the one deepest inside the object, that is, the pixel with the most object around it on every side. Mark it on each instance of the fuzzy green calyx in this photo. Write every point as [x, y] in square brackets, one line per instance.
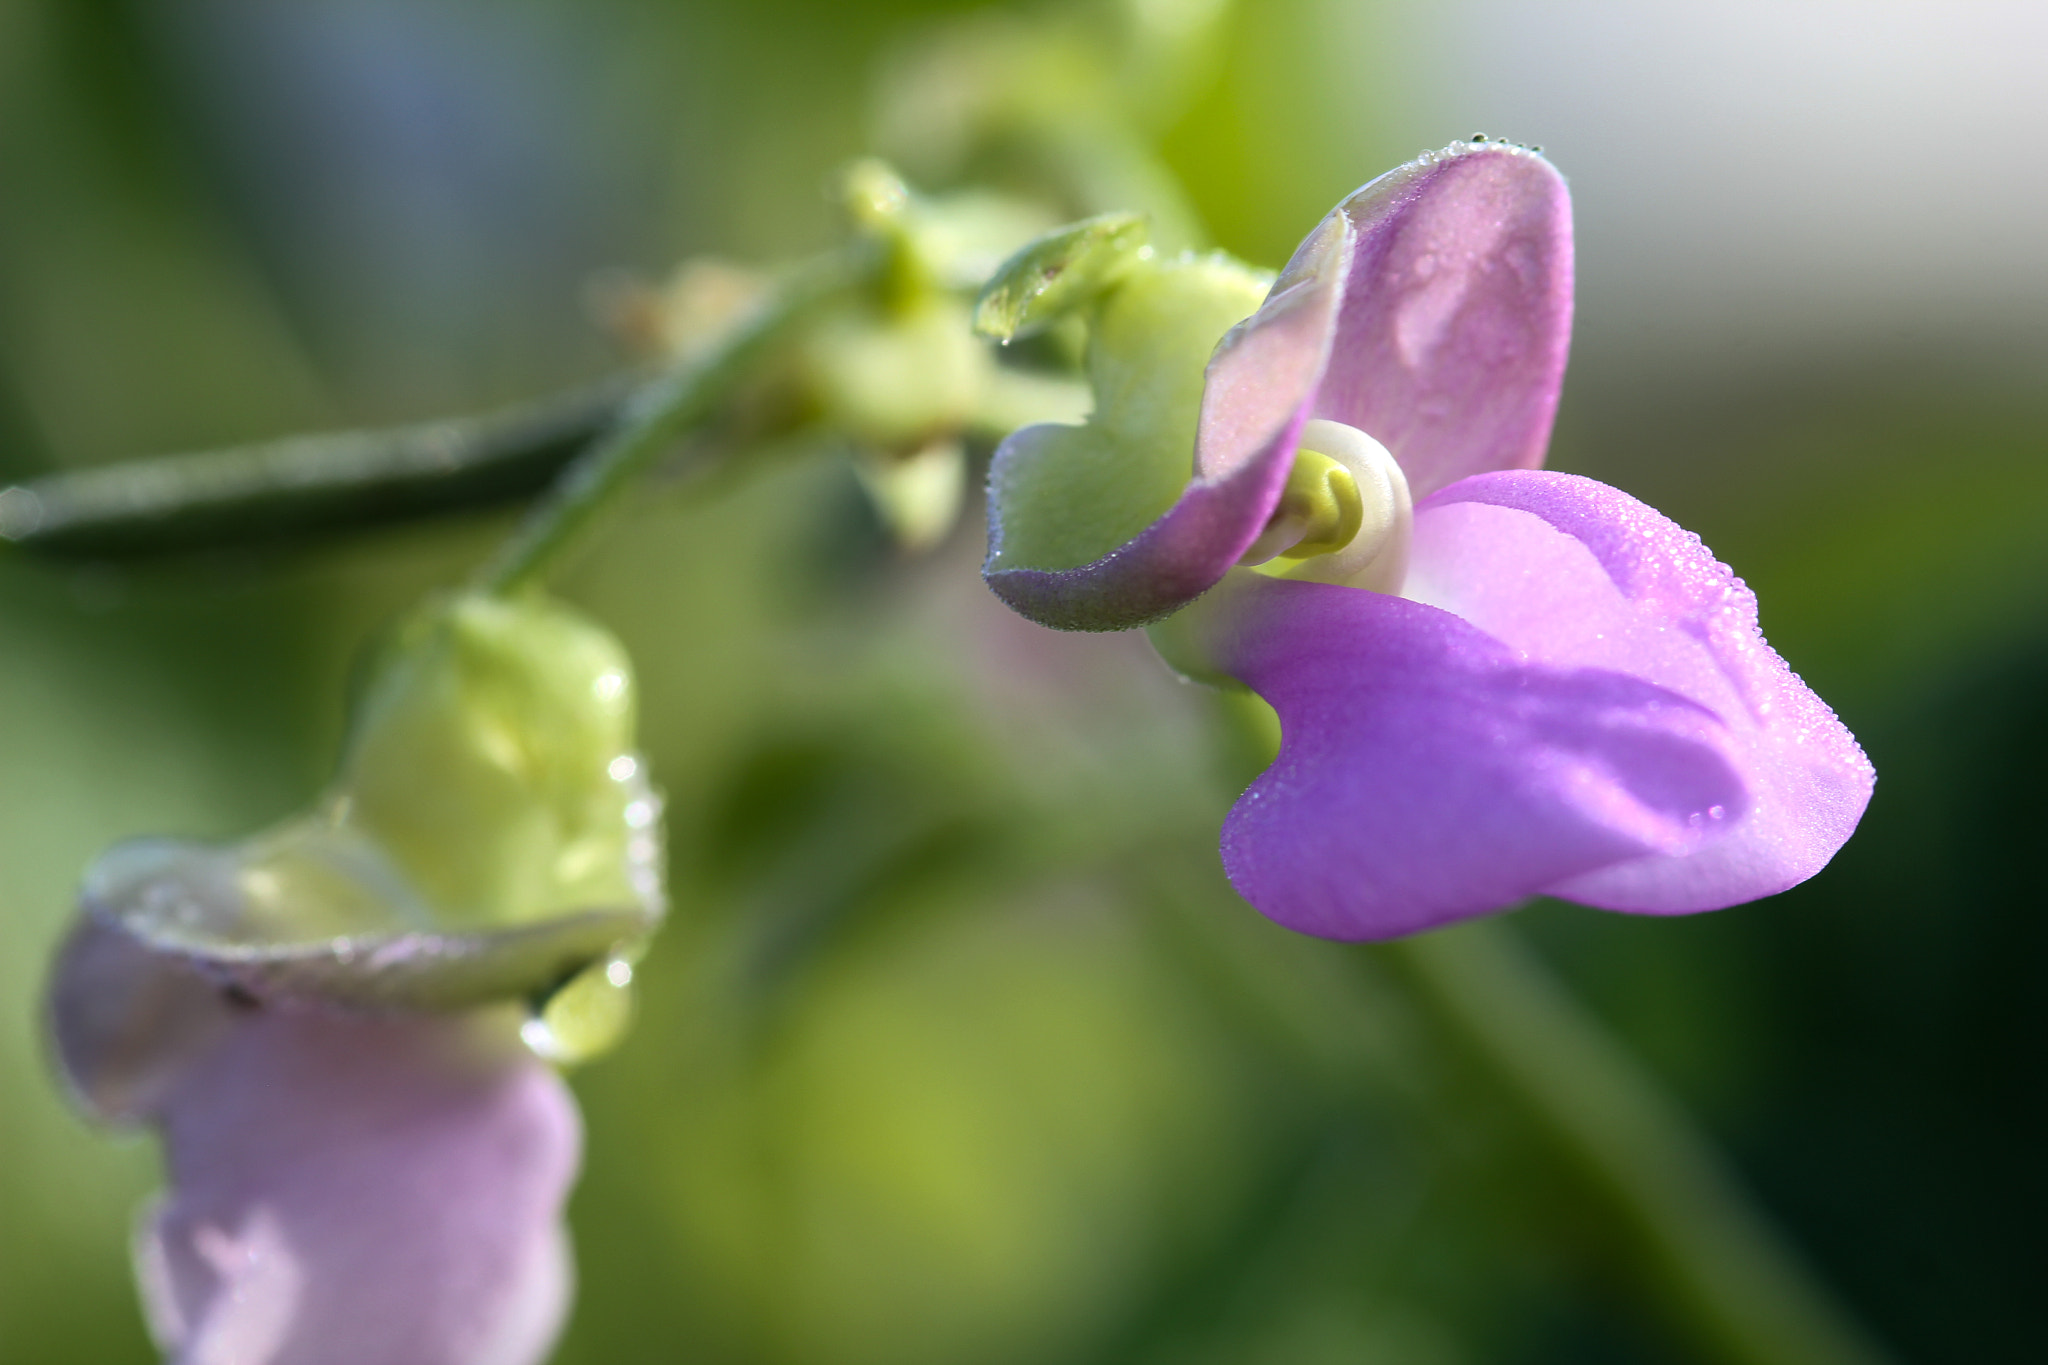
[1085, 490]
[482, 761]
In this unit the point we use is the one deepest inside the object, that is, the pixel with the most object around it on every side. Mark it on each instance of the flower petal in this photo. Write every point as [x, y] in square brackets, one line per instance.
[1428, 773]
[1457, 314]
[125, 1021]
[351, 1189]
[1574, 574]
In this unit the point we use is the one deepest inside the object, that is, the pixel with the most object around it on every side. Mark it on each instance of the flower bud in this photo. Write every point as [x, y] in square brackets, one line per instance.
[489, 836]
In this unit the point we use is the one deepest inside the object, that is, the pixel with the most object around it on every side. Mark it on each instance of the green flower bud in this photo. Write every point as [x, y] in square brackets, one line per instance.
[489, 758]
[896, 381]
[490, 834]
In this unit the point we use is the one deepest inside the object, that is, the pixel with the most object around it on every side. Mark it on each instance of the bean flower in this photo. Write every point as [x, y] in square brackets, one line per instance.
[342, 1027]
[344, 1187]
[1493, 681]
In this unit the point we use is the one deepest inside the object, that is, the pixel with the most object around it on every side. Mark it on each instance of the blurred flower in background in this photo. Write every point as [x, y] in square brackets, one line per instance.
[960, 1047]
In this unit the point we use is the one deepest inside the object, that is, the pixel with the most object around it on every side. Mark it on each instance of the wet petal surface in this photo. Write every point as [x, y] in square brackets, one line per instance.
[1457, 313]
[1428, 772]
[1571, 572]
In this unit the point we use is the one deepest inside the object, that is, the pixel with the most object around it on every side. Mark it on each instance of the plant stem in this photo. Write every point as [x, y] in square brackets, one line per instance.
[1723, 1272]
[659, 415]
[280, 490]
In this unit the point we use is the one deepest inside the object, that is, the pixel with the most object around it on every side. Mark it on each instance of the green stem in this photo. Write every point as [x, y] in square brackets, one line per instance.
[1722, 1271]
[659, 415]
[282, 490]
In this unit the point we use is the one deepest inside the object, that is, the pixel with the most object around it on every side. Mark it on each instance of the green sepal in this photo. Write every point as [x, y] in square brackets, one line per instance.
[1059, 274]
[1065, 496]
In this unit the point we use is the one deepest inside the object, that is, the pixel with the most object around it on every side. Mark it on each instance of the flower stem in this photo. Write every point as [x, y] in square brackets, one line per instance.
[282, 490]
[1723, 1272]
[660, 414]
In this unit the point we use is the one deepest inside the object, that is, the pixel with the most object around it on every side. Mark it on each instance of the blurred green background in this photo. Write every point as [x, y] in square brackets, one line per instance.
[958, 1047]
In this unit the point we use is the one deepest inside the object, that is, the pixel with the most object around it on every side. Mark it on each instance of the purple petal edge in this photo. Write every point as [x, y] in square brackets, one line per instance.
[1167, 565]
[1431, 309]
[1256, 395]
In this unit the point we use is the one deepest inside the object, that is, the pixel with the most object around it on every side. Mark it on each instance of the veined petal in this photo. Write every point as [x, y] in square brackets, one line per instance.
[347, 1189]
[1428, 772]
[1457, 314]
[1574, 574]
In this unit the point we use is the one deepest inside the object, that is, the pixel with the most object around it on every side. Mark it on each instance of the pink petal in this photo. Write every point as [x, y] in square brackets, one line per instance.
[1457, 313]
[126, 1022]
[355, 1189]
[1574, 574]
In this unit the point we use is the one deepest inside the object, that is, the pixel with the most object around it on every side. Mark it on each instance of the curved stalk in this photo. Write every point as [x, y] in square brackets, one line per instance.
[659, 415]
[328, 482]
[279, 491]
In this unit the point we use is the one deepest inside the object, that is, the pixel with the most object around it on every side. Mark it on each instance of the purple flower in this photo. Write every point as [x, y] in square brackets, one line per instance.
[345, 1187]
[338, 1024]
[1492, 681]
